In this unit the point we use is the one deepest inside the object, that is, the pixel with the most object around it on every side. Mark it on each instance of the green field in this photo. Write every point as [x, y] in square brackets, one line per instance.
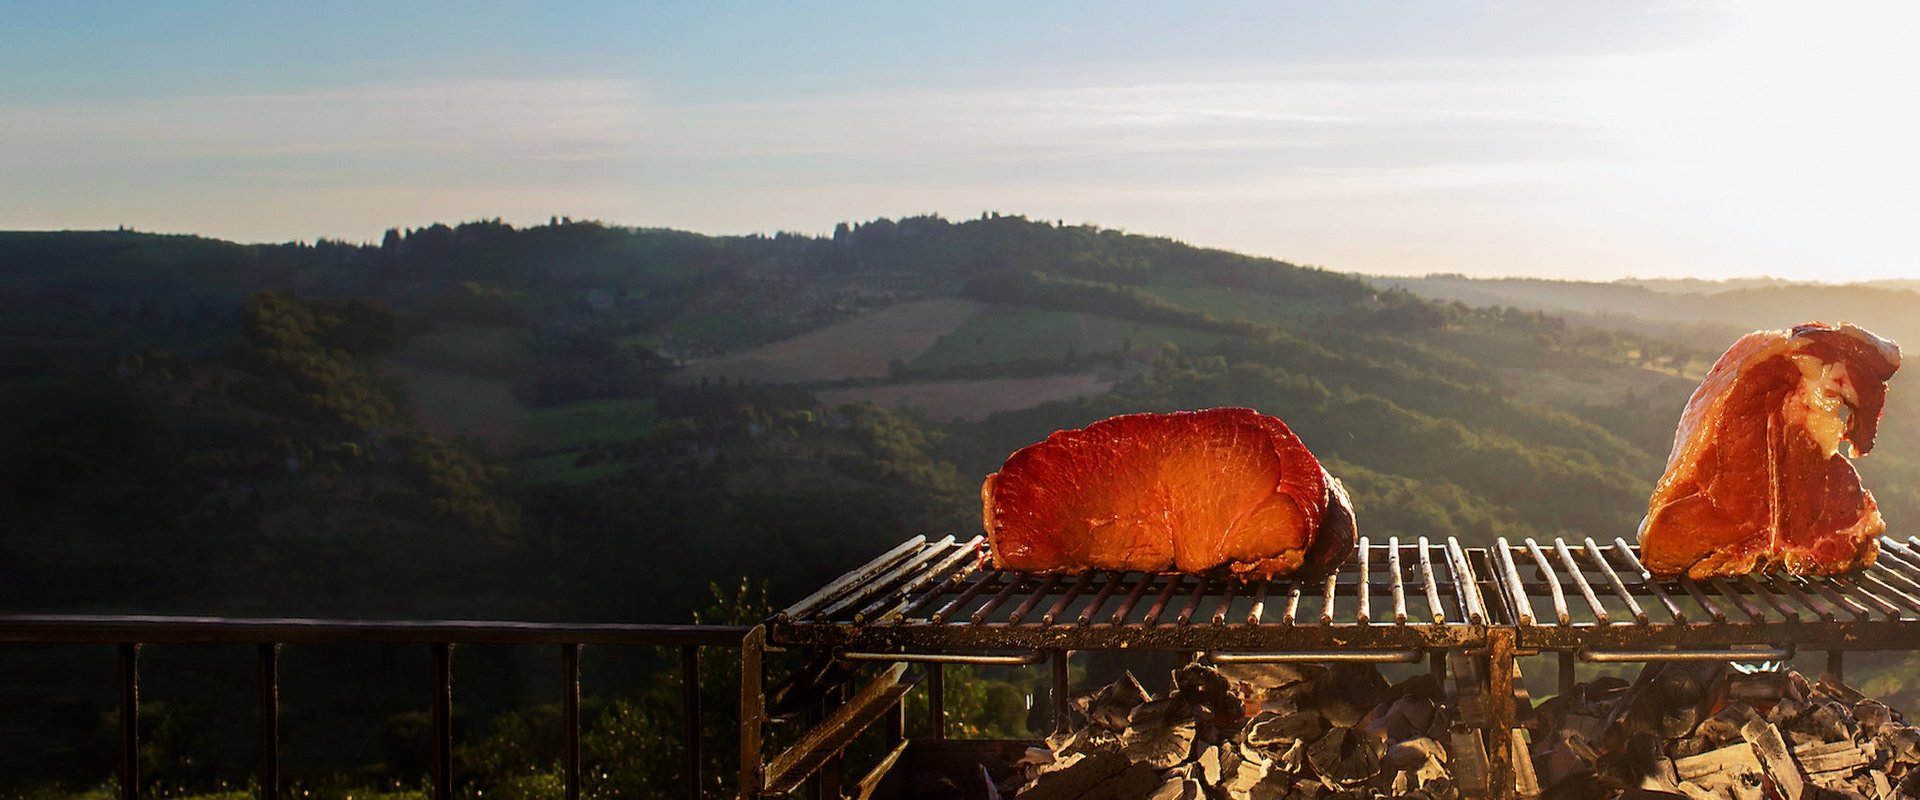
[588, 421]
[1001, 334]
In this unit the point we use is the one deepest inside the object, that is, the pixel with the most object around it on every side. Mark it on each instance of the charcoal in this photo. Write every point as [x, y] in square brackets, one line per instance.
[1412, 754]
[1206, 689]
[1130, 784]
[1871, 715]
[1270, 729]
[1178, 788]
[1109, 707]
[1159, 733]
[1827, 721]
[1344, 757]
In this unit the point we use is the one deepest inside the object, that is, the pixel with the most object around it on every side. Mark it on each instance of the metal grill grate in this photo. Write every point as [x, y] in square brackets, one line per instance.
[945, 595]
[1598, 599]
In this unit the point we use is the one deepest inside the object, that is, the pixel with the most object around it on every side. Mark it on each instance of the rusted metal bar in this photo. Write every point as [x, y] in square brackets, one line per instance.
[976, 659]
[1560, 612]
[1786, 609]
[936, 701]
[1625, 552]
[570, 717]
[1881, 585]
[1713, 609]
[1837, 664]
[1501, 672]
[1294, 590]
[879, 608]
[1516, 588]
[1464, 583]
[999, 598]
[147, 629]
[1353, 656]
[1329, 592]
[1613, 656]
[1259, 602]
[1398, 586]
[1822, 588]
[821, 745]
[1567, 676]
[1819, 606]
[1226, 603]
[689, 714]
[960, 603]
[1193, 601]
[855, 596]
[940, 590]
[1361, 591]
[1600, 614]
[860, 576]
[1855, 590]
[1126, 606]
[129, 721]
[1107, 589]
[1439, 612]
[442, 721]
[1727, 590]
[1160, 601]
[1060, 691]
[1613, 578]
[268, 656]
[1073, 593]
[1033, 599]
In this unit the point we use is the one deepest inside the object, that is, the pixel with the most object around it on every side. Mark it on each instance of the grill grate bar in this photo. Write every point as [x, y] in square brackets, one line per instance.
[1193, 601]
[1073, 592]
[1464, 583]
[1895, 563]
[967, 596]
[1599, 558]
[1553, 582]
[940, 568]
[1226, 602]
[1032, 600]
[1399, 579]
[1825, 589]
[1433, 591]
[1013, 582]
[1107, 588]
[1726, 590]
[1621, 549]
[1713, 609]
[1515, 587]
[1855, 589]
[853, 579]
[1293, 602]
[1126, 606]
[1259, 602]
[1160, 602]
[940, 590]
[1365, 609]
[1772, 599]
[1881, 584]
[1580, 580]
[1327, 596]
[1791, 587]
[879, 584]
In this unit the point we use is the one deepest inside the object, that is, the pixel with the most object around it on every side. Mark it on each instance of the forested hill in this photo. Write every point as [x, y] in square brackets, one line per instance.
[592, 422]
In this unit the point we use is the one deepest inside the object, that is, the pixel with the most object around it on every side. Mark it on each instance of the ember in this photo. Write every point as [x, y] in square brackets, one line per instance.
[1706, 731]
[1250, 731]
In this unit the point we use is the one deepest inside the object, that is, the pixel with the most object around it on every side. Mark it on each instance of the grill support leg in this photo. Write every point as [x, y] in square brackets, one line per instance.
[269, 657]
[570, 711]
[1059, 690]
[752, 711]
[1836, 664]
[130, 721]
[1566, 672]
[936, 701]
[690, 714]
[1500, 711]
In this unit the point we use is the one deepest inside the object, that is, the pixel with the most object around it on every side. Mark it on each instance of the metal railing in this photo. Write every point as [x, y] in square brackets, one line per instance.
[131, 632]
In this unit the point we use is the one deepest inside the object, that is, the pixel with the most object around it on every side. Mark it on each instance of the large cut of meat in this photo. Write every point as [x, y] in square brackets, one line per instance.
[1226, 489]
[1756, 481]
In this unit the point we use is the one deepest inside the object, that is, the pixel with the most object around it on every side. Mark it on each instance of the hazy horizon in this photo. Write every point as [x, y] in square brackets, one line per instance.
[1678, 138]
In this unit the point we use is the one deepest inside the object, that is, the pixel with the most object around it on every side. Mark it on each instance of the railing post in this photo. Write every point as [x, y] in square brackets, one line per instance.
[1059, 691]
[442, 721]
[570, 703]
[129, 721]
[269, 721]
[1501, 710]
[752, 710]
[690, 711]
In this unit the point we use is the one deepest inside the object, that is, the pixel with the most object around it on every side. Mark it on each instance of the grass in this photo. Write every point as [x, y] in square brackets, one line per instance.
[1001, 334]
[587, 421]
[452, 402]
[1255, 307]
[559, 468]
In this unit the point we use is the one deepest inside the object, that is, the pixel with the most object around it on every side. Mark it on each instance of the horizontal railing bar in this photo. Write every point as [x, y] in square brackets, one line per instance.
[83, 628]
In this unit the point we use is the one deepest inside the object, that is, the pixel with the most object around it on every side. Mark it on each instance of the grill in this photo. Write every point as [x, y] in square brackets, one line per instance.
[935, 600]
[1596, 601]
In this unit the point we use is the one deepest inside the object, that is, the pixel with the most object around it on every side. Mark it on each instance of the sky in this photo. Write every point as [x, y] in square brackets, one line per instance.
[1581, 140]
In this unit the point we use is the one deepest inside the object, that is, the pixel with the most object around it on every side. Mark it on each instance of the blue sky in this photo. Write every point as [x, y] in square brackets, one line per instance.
[1596, 140]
